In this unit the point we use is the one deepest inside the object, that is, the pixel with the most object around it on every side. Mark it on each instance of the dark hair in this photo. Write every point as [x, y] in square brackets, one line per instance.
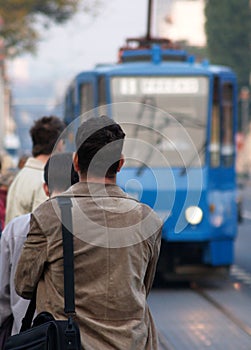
[45, 133]
[59, 173]
[99, 143]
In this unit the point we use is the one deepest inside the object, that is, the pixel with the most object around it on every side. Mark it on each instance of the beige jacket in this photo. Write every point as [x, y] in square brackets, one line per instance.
[116, 247]
[26, 191]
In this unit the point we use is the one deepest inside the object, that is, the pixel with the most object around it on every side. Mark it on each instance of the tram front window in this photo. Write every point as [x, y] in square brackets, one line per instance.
[164, 119]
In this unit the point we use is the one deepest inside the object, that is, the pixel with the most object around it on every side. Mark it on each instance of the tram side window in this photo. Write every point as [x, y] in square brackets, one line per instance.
[102, 108]
[215, 128]
[227, 147]
[69, 106]
[101, 91]
[86, 97]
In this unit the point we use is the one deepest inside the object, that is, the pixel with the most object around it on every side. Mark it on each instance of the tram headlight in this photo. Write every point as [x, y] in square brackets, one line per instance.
[193, 215]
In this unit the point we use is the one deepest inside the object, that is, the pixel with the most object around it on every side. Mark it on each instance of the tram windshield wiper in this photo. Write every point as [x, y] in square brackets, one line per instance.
[200, 151]
[148, 157]
[144, 109]
[185, 120]
[146, 102]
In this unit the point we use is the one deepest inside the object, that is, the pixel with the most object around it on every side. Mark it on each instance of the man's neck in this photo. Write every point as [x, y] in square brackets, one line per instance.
[95, 179]
[43, 158]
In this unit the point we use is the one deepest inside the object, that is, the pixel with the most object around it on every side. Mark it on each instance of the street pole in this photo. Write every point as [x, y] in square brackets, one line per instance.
[149, 20]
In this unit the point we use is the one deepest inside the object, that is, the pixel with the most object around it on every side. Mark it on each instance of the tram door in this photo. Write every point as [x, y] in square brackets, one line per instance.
[222, 172]
[80, 99]
[223, 128]
[86, 93]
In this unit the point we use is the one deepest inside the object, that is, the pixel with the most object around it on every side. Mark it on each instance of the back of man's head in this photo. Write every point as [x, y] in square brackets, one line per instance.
[99, 143]
[45, 133]
[59, 173]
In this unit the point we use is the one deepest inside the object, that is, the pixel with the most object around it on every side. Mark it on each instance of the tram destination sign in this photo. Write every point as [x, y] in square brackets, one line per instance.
[156, 85]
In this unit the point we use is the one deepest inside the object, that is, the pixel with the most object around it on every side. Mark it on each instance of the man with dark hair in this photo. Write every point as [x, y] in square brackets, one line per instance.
[25, 192]
[44, 135]
[99, 150]
[59, 175]
[116, 248]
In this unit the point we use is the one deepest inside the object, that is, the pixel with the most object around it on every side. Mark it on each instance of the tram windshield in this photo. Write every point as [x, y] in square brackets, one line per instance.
[164, 119]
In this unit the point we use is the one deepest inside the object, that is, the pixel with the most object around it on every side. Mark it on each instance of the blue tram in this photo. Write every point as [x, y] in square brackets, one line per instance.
[180, 119]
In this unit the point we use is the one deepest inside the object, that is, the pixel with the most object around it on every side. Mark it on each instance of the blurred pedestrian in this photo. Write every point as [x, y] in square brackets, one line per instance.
[5, 182]
[57, 179]
[7, 163]
[25, 192]
[116, 247]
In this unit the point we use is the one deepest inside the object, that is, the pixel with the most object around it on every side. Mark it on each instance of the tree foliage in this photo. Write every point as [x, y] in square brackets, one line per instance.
[228, 28]
[19, 20]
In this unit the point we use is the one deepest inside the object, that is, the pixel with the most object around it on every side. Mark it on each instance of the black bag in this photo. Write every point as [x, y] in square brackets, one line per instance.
[46, 333]
[5, 330]
[51, 335]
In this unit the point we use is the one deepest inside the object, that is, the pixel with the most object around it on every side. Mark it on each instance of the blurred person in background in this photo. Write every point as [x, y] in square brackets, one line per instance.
[7, 162]
[6, 176]
[56, 180]
[25, 192]
[5, 180]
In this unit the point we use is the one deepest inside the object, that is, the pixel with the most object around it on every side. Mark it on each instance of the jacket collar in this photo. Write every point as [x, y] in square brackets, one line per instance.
[91, 189]
[34, 164]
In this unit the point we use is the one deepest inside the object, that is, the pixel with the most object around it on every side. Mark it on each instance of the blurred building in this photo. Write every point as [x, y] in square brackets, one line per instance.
[180, 20]
[9, 141]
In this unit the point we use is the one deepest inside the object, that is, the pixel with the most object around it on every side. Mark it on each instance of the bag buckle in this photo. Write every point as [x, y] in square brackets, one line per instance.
[70, 334]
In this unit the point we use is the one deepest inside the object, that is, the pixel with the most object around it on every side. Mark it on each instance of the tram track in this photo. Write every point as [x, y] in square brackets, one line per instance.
[163, 343]
[207, 315]
[221, 308]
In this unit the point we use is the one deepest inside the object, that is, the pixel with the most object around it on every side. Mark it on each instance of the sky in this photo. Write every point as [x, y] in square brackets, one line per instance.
[39, 81]
[87, 40]
[81, 43]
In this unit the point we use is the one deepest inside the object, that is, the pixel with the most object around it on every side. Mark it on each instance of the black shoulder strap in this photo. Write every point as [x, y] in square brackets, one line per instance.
[26, 321]
[65, 205]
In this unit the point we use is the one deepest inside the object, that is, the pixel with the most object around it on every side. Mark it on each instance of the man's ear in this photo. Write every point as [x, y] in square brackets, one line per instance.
[46, 189]
[121, 162]
[75, 162]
